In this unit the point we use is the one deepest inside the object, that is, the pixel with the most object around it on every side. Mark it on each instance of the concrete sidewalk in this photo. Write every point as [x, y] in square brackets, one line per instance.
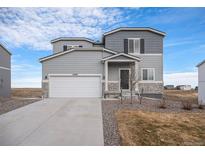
[54, 122]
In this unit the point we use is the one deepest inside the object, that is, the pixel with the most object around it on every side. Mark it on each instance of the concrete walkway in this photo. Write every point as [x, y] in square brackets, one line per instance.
[54, 122]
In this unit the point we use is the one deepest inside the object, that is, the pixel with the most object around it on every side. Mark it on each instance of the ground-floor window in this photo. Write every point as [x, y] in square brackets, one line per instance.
[148, 74]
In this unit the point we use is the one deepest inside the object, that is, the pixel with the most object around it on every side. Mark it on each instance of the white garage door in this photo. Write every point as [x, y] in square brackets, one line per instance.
[79, 86]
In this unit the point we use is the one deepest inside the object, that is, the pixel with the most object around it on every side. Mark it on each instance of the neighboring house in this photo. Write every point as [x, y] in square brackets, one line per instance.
[183, 87]
[5, 72]
[169, 87]
[80, 67]
[201, 82]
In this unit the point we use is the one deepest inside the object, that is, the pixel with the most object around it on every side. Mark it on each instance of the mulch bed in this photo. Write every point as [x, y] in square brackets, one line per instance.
[109, 107]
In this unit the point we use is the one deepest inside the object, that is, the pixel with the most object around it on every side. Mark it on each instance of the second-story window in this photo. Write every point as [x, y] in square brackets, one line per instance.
[67, 47]
[75, 46]
[134, 45]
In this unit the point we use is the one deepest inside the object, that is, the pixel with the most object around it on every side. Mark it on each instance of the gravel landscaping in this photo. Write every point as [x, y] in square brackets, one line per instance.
[9, 104]
[109, 107]
[19, 98]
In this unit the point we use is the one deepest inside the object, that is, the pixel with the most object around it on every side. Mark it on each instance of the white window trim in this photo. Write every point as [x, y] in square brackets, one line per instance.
[148, 75]
[71, 46]
[120, 79]
[146, 54]
[134, 52]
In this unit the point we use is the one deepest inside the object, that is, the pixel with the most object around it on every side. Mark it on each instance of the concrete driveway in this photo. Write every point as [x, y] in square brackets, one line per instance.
[54, 122]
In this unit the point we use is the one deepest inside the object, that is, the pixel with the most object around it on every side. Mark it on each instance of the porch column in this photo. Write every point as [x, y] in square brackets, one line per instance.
[106, 76]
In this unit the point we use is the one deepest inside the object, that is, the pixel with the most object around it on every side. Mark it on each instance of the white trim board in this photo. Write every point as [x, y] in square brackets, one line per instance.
[149, 81]
[73, 75]
[121, 60]
[5, 68]
[121, 54]
[147, 54]
[135, 28]
[55, 55]
[72, 39]
[76, 49]
[111, 81]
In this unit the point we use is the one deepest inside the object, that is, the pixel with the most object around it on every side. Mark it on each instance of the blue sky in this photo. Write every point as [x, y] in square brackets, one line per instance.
[27, 32]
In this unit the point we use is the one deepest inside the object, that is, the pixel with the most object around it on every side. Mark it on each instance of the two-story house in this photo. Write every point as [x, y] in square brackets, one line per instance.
[81, 67]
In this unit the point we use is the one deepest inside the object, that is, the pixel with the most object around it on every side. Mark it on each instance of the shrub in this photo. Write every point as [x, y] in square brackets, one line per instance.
[163, 103]
[187, 103]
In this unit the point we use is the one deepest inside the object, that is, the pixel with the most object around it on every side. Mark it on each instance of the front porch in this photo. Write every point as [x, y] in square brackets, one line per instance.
[118, 74]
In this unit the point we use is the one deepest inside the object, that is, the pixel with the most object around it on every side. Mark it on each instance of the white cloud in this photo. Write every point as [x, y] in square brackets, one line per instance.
[35, 27]
[190, 78]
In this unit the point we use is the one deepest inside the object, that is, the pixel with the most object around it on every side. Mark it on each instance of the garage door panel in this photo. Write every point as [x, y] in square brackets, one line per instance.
[69, 86]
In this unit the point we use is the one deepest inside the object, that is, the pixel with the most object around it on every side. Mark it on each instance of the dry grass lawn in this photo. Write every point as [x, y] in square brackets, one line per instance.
[178, 95]
[152, 128]
[27, 92]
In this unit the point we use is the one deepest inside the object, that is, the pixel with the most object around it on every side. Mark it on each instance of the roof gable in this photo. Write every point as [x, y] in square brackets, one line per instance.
[121, 56]
[201, 63]
[76, 49]
[72, 39]
[1, 45]
[135, 29]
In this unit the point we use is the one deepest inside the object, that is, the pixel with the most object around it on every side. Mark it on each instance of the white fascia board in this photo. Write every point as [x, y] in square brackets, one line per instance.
[5, 68]
[108, 50]
[72, 39]
[149, 29]
[150, 81]
[55, 55]
[73, 75]
[121, 54]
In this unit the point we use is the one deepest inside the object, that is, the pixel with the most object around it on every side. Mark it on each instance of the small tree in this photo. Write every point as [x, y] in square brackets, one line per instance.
[133, 79]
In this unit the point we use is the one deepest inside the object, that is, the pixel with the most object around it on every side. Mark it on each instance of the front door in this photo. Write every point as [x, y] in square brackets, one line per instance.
[124, 79]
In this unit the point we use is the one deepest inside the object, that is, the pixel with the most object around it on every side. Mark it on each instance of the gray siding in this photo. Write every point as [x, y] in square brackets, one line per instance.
[58, 46]
[4, 58]
[113, 70]
[153, 42]
[81, 62]
[5, 83]
[155, 62]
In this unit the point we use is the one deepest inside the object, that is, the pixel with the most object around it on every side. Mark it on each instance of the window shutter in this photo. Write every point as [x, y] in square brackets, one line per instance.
[142, 46]
[126, 46]
[65, 48]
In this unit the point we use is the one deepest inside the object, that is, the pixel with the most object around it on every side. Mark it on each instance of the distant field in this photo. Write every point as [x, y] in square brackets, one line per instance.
[178, 95]
[151, 128]
[27, 92]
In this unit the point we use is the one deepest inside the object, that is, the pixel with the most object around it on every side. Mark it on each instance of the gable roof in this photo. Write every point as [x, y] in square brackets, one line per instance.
[135, 29]
[5, 49]
[121, 54]
[72, 39]
[200, 63]
[76, 49]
